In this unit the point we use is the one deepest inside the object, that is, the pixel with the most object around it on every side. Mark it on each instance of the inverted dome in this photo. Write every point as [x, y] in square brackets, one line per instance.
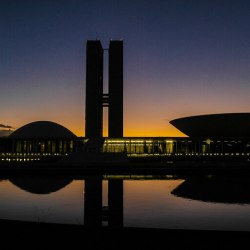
[215, 125]
[42, 129]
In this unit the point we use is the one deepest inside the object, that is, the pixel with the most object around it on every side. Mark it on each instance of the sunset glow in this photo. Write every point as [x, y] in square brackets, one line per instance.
[179, 60]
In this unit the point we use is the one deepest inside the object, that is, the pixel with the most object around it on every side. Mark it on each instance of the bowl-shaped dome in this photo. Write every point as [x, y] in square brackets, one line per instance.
[215, 125]
[42, 129]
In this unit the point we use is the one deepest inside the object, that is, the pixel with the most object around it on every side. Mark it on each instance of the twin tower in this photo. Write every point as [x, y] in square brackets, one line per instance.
[96, 100]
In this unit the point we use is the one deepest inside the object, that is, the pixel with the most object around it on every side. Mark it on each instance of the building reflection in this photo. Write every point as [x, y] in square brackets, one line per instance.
[215, 188]
[115, 203]
[38, 185]
[93, 202]
[95, 214]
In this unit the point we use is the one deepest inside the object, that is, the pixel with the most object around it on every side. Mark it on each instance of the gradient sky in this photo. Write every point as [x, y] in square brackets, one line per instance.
[181, 58]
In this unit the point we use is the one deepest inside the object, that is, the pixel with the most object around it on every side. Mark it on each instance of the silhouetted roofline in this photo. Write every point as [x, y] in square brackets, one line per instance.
[42, 130]
[214, 125]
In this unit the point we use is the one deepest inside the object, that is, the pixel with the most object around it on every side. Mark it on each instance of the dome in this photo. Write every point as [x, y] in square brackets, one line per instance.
[42, 129]
[215, 125]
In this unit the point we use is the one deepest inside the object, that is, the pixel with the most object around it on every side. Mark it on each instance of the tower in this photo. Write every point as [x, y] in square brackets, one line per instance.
[94, 90]
[95, 98]
[115, 89]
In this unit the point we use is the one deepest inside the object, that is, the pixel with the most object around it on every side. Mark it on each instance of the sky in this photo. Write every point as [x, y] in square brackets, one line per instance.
[181, 58]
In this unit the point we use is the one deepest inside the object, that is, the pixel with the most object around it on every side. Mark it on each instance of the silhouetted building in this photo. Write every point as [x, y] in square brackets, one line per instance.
[42, 137]
[226, 125]
[95, 98]
[94, 90]
[115, 89]
[214, 135]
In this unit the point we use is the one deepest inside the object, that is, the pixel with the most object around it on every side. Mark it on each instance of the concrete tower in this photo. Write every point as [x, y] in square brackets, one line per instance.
[95, 99]
[115, 89]
[94, 90]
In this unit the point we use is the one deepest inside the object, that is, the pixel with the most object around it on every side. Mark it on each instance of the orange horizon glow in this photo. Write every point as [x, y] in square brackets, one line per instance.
[144, 132]
[129, 131]
[174, 65]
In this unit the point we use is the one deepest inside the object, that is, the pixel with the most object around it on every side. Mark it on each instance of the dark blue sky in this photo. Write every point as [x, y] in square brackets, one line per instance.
[181, 58]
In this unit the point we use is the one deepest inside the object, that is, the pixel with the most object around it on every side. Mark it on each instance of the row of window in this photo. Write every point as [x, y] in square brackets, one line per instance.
[129, 146]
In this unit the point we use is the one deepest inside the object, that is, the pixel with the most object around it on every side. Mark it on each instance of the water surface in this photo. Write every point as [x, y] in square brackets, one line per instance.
[173, 202]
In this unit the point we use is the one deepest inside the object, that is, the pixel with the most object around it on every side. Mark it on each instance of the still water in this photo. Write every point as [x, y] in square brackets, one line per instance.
[173, 202]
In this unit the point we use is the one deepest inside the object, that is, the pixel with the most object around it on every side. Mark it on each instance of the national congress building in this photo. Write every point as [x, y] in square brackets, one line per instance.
[207, 135]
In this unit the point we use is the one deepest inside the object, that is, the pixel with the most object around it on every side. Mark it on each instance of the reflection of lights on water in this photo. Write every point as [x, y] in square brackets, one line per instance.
[26, 157]
[20, 159]
[186, 154]
[30, 154]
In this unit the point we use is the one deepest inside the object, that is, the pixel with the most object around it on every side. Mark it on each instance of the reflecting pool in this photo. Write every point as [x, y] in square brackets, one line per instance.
[209, 202]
